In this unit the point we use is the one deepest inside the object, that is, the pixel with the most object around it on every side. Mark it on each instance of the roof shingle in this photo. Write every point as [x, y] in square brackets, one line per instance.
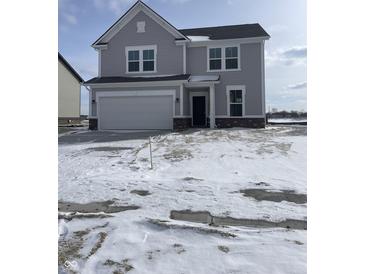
[228, 32]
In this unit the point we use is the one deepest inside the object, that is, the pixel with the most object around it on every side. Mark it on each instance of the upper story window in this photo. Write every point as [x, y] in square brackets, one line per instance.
[215, 59]
[232, 58]
[223, 58]
[141, 59]
[133, 60]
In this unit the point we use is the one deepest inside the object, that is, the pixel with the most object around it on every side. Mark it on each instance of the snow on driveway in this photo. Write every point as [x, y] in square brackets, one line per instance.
[198, 170]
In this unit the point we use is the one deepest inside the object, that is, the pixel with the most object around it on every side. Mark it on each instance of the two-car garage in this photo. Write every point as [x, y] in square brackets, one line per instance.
[135, 110]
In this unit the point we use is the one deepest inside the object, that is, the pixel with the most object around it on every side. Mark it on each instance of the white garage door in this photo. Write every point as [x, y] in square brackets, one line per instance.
[138, 112]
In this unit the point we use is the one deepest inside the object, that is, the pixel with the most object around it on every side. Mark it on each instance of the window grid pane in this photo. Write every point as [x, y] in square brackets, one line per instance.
[149, 54]
[232, 63]
[215, 64]
[148, 65]
[236, 96]
[236, 110]
[133, 66]
[215, 53]
[133, 55]
[232, 52]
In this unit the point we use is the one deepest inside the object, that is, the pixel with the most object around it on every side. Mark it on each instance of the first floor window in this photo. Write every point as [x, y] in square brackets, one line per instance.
[236, 102]
[141, 59]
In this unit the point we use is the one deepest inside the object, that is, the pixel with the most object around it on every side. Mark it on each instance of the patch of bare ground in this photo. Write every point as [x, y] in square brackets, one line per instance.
[150, 254]
[295, 242]
[141, 192]
[101, 238]
[205, 217]
[167, 225]
[108, 149]
[178, 154]
[178, 248]
[93, 207]
[223, 248]
[69, 250]
[191, 179]
[275, 196]
[122, 267]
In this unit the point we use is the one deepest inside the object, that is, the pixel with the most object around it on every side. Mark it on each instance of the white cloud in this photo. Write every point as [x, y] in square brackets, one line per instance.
[287, 57]
[175, 1]
[115, 6]
[68, 12]
[301, 85]
[71, 19]
[277, 28]
[120, 6]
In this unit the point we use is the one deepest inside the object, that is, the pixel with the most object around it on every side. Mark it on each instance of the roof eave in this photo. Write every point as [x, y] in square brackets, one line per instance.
[70, 68]
[136, 84]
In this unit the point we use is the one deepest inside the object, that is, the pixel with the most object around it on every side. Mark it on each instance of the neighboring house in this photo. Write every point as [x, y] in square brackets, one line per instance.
[69, 88]
[154, 76]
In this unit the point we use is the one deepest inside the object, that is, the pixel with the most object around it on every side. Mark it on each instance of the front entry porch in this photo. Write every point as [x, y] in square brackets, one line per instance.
[198, 109]
[198, 104]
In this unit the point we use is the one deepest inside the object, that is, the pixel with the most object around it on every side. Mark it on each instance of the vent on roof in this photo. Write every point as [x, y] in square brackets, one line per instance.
[141, 26]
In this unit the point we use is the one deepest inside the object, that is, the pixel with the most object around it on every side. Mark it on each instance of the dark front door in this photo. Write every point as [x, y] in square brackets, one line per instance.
[199, 113]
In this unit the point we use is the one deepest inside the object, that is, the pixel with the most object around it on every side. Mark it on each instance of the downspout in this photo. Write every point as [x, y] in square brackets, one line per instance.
[184, 58]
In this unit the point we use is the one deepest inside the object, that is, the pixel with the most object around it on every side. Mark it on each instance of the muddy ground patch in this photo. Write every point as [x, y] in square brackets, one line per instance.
[108, 149]
[93, 207]
[205, 217]
[275, 196]
[141, 192]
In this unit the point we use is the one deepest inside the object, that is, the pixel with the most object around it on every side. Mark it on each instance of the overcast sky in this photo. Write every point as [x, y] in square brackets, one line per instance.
[81, 22]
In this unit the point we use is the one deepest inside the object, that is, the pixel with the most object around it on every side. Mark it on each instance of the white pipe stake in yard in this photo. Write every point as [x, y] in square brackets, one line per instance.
[151, 153]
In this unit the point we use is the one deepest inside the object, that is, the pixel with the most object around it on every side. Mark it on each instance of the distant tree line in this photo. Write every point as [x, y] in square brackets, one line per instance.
[287, 114]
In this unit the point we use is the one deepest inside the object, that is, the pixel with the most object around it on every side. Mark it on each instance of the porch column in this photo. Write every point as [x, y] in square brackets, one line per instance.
[212, 105]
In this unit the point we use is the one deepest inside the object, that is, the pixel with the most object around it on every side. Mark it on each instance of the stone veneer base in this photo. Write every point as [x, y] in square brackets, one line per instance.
[240, 122]
[180, 124]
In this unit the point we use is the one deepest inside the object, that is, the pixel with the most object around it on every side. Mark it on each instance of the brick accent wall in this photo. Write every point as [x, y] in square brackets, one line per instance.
[182, 123]
[93, 124]
[240, 122]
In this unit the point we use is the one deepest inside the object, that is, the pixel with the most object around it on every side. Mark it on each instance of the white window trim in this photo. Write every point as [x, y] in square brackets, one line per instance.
[223, 58]
[140, 49]
[235, 87]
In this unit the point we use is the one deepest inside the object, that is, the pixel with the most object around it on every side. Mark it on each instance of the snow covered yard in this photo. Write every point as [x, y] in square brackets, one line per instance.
[198, 170]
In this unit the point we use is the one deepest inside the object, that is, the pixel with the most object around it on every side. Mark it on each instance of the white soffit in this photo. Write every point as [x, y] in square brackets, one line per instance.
[203, 78]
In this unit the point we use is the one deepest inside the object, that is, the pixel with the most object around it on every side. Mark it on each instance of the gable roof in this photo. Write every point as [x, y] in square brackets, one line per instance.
[69, 68]
[129, 14]
[228, 32]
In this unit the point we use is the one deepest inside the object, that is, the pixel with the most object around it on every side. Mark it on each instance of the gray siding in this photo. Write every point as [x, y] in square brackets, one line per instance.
[169, 55]
[250, 76]
[176, 88]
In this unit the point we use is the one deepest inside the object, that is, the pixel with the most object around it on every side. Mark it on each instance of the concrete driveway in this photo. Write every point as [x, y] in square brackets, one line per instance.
[107, 136]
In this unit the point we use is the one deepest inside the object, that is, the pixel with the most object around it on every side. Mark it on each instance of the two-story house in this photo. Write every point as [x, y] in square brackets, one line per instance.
[154, 76]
